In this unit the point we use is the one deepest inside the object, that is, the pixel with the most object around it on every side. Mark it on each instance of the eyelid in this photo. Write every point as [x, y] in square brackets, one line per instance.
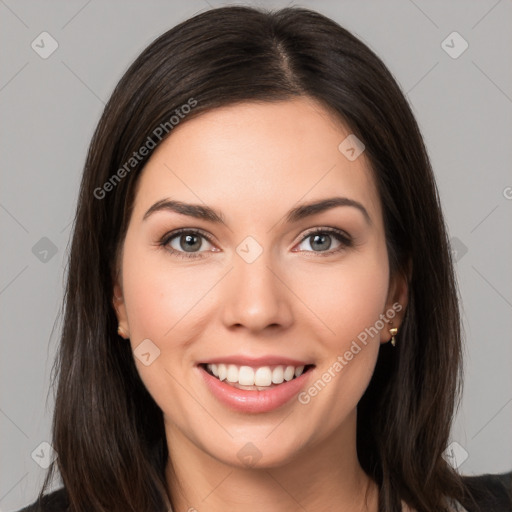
[197, 231]
[325, 229]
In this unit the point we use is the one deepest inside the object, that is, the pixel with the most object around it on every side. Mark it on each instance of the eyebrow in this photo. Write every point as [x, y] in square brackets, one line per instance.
[206, 213]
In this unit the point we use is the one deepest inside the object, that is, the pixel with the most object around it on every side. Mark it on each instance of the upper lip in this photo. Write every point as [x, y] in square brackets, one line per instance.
[256, 361]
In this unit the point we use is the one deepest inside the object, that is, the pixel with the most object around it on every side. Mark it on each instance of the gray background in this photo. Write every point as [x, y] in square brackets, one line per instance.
[49, 109]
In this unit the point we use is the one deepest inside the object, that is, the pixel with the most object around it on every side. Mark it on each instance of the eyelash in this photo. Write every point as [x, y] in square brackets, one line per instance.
[345, 241]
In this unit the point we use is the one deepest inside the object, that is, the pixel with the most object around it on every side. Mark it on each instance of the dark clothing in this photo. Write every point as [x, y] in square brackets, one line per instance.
[493, 493]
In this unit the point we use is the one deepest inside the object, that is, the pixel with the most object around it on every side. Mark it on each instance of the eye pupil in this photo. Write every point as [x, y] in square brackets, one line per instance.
[321, 238]
[192, 242]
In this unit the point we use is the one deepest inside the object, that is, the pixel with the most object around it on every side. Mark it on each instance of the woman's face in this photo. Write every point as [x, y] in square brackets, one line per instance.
[260, 289]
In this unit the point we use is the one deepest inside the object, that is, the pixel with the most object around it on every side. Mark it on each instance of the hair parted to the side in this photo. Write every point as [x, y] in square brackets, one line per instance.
[107, 430]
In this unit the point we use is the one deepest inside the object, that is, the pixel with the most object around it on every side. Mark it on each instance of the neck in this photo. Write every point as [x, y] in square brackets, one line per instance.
[323, 476]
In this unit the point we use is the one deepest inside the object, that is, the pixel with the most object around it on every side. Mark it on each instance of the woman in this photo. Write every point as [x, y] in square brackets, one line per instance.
[261, 310]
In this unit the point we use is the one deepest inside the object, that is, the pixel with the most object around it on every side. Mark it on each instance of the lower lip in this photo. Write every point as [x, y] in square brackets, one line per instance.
[254, 401]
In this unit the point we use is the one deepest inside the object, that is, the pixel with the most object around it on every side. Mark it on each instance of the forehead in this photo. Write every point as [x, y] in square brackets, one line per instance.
[257, 155]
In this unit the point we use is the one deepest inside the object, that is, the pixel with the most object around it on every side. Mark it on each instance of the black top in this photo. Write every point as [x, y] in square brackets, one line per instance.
[493, 493]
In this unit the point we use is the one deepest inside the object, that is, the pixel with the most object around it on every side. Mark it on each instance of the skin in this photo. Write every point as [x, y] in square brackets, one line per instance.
[254, 162]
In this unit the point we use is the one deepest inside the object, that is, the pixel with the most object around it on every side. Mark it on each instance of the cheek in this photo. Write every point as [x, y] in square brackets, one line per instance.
[160, 300]
[345, 298]
[161, 297]
[349, 300]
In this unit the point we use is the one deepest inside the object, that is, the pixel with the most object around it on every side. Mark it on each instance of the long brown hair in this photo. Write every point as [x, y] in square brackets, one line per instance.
[107, 430]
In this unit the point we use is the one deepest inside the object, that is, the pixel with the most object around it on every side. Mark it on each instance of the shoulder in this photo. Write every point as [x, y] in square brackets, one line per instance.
[56, 501]
[492, 492]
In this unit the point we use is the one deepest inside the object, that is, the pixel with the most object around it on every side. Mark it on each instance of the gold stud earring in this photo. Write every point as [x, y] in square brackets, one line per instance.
[393, 331]
[121, 332]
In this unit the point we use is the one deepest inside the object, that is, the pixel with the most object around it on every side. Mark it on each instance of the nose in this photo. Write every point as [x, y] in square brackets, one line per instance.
[256, 296]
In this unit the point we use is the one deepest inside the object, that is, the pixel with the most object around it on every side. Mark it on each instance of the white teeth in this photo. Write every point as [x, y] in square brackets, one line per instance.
[277, 375]
[246, 376]
[263, 376]
[289, 373]
[232, 375]
[221, 368]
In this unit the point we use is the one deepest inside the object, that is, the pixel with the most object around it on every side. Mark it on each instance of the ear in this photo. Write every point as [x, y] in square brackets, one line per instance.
[397, 300]
[120, 308]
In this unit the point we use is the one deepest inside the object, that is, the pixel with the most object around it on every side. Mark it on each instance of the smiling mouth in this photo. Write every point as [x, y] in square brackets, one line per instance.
[250, 378]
